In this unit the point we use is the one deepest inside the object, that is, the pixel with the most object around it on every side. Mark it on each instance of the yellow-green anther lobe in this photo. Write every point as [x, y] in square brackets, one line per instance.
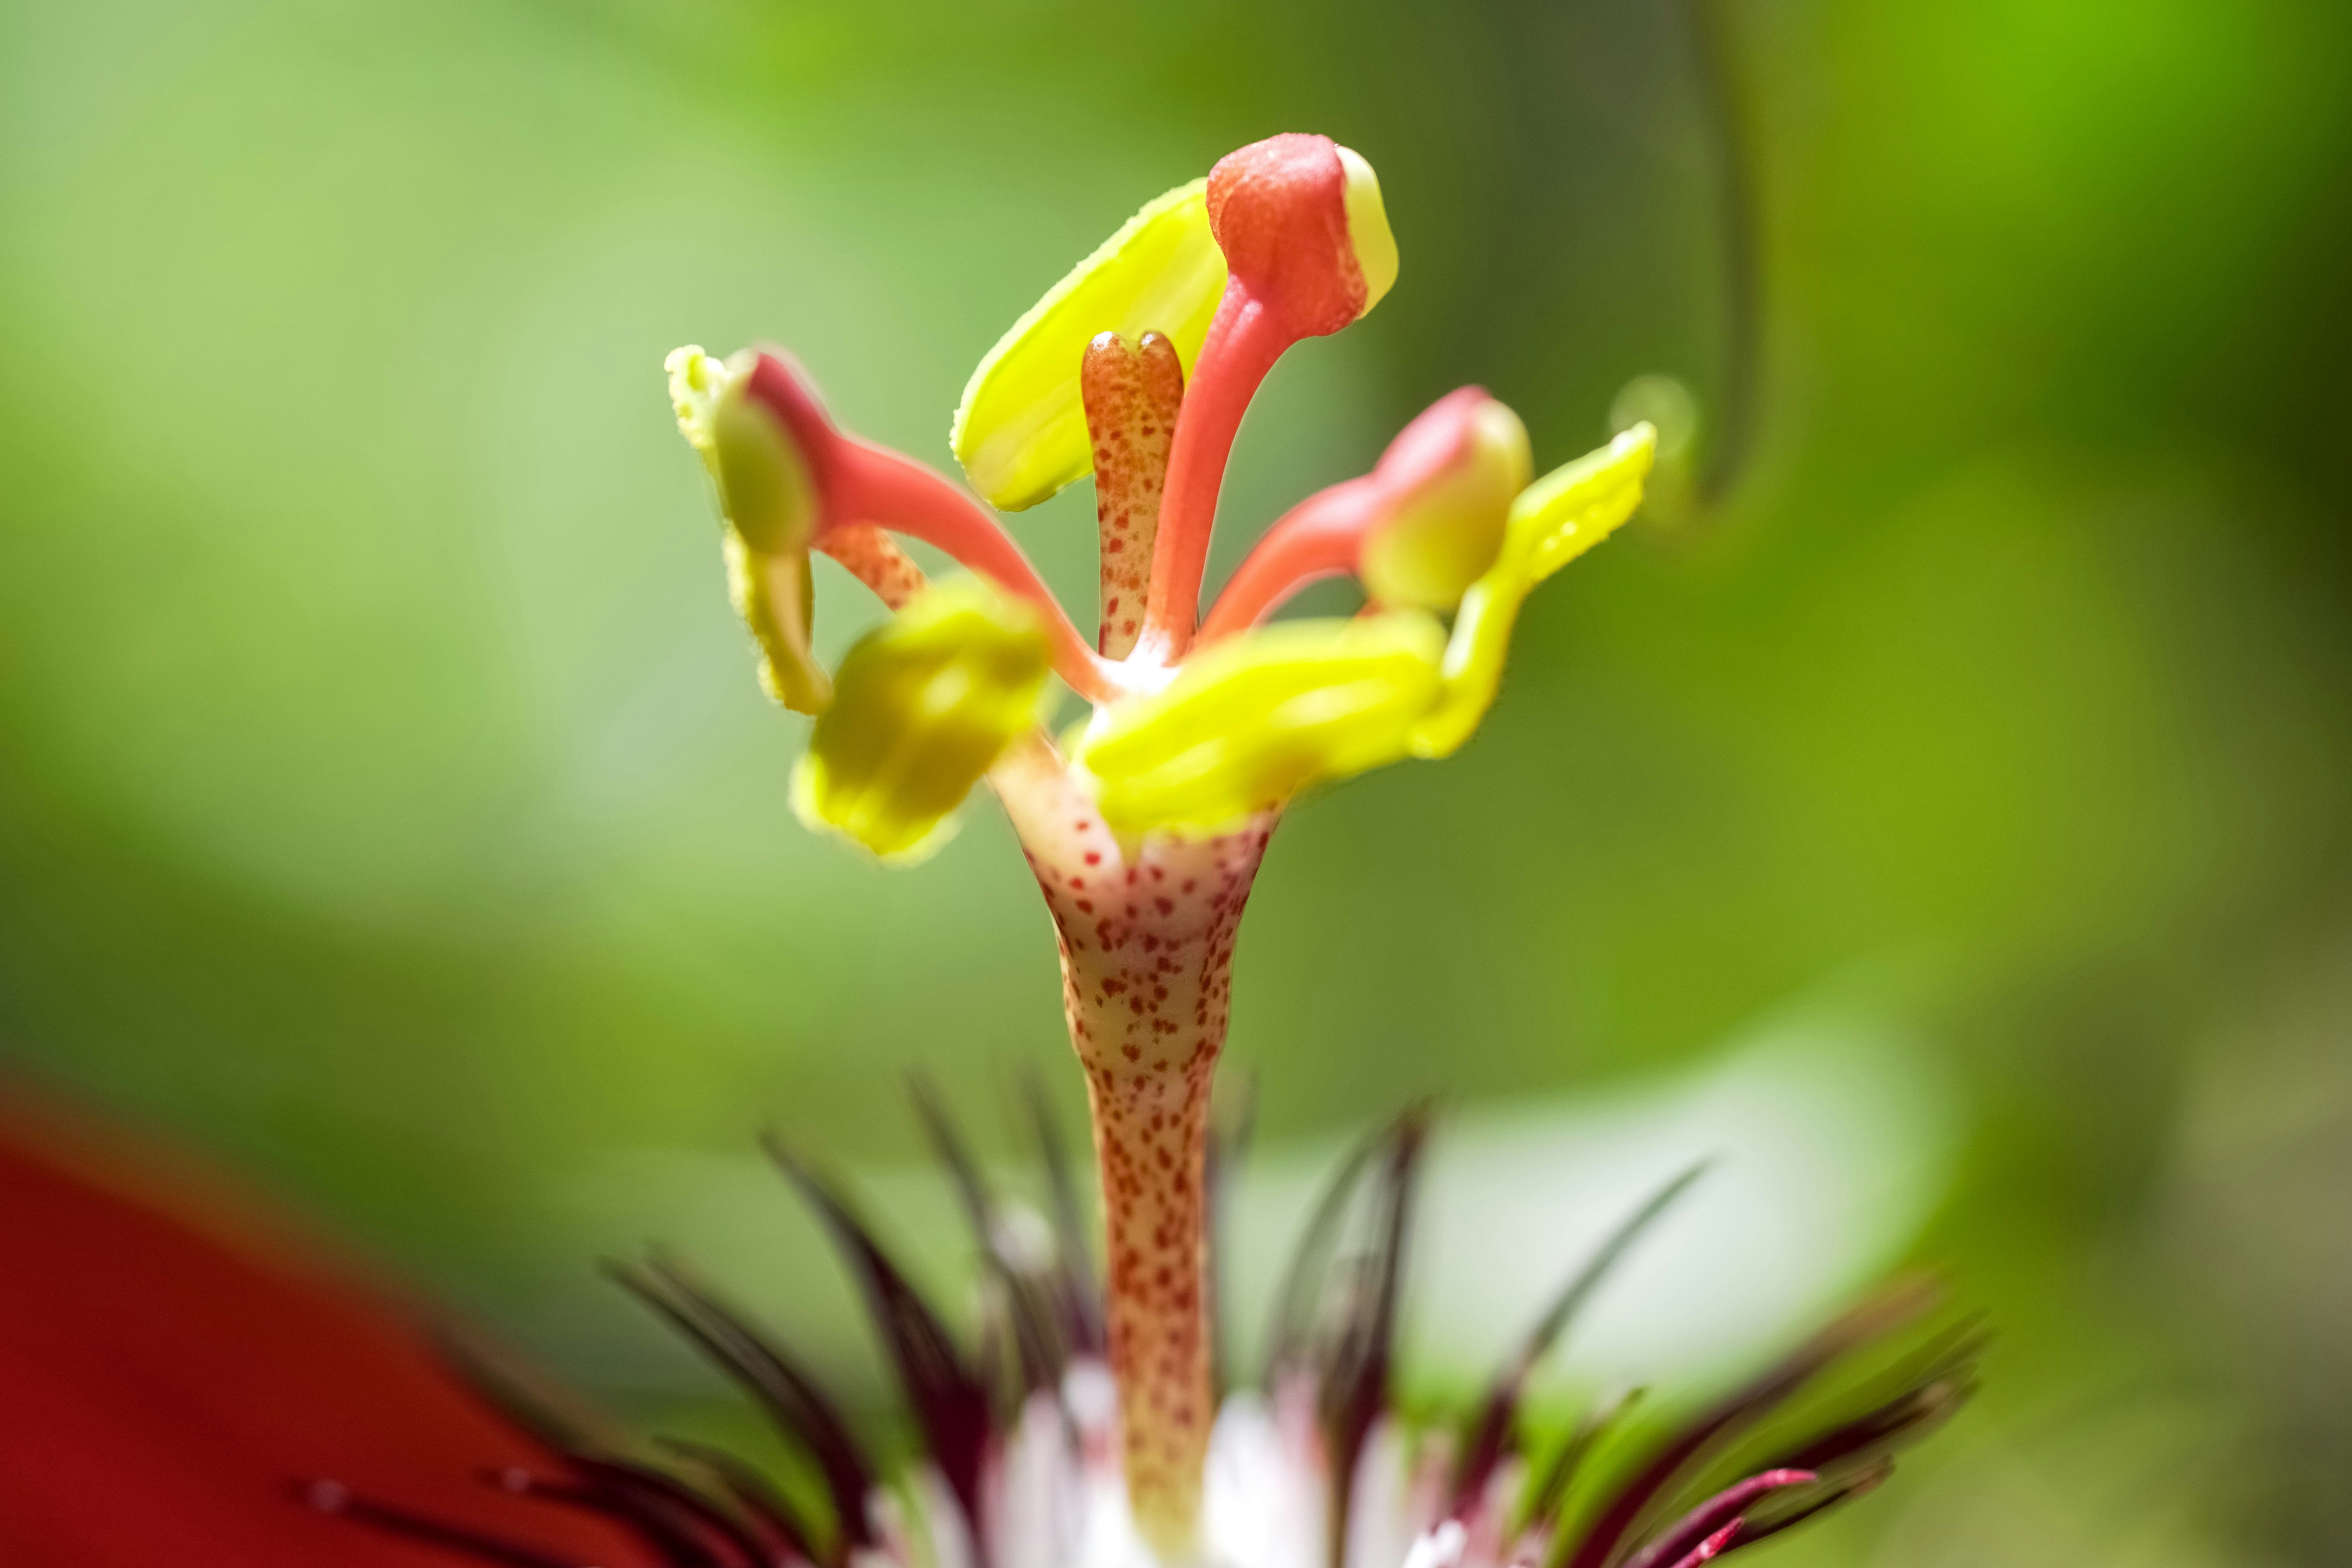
[763, 485]
[1368, 225]
[1254, 720]
[1557, 519]
[768, 507]
[776, 597]
[1020, 430]
[922, 706]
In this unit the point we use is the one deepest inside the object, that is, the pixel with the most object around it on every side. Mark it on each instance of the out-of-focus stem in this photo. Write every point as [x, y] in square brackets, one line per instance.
[1243, 341]
[1147, 944]
[1731, 117]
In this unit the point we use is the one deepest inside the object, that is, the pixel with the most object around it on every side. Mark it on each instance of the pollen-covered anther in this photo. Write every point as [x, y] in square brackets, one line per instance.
[777, 599]
[1554, 520]
[1248, 723]
[1020, 430]
[766, 445]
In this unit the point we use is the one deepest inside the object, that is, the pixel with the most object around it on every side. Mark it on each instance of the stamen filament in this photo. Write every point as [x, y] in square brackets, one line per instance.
[1318, 538]
[882, 487]
[1243, 344]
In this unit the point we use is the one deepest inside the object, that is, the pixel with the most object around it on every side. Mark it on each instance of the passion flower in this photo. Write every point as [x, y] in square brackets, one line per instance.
[1094, 1434]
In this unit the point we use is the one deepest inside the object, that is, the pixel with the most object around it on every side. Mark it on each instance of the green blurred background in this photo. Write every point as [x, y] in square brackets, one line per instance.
[385, 803]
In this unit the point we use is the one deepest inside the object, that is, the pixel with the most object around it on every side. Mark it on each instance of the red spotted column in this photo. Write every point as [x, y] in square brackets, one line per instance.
[1147, 944]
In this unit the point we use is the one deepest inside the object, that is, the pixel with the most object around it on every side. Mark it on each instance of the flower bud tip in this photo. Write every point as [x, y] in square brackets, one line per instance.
[1449, 526]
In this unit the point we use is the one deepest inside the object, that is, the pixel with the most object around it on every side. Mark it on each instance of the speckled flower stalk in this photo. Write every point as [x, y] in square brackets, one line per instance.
[1146, 933]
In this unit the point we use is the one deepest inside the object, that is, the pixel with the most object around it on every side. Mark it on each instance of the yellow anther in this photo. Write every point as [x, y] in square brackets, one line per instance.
[1555, 520]
[768, 506]
[922, 706]
[1021, 431]
[776, 598]
[1368, 229]
[1254, 720]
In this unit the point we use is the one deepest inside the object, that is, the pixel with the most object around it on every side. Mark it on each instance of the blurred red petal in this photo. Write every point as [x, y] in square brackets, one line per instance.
[171, 1358]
